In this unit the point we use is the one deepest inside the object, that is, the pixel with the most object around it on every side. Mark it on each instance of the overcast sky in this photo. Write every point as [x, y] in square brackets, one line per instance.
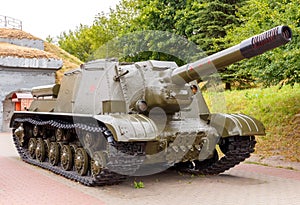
[43, 18]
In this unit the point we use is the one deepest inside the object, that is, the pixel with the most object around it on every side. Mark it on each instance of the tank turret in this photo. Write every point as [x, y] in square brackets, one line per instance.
[107, 119]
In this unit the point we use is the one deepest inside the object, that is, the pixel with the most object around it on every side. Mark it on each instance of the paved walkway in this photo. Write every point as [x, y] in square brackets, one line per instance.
[245, 184]
[20, 184]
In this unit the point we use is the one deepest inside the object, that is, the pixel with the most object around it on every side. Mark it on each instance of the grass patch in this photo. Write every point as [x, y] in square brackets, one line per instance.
[279, 111]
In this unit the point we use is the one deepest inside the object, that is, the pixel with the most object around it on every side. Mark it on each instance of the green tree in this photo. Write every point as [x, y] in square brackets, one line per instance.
[78, 42]
[213, 25]
[202, 22]
[159, 14]
[281, 65]
[206, 22]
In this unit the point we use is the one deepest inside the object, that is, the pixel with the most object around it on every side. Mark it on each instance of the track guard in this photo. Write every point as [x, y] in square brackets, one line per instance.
[236, 125]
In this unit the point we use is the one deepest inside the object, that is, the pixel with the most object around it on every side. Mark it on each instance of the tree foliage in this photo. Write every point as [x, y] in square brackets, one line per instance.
[202, 22]
[206, 22]
[211, 24]
[78, 42]
[281, 65]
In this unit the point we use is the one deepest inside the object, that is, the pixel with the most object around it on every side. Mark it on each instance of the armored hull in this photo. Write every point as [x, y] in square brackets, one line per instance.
[82, 149]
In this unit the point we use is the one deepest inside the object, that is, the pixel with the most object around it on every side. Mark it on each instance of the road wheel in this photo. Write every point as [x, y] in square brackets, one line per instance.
[54, 153]
[32, 147]
[81, 161]
[98, 163]
[40, 150]
[66, 157]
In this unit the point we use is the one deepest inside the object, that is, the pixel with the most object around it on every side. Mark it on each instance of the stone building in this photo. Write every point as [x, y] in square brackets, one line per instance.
[23, 64]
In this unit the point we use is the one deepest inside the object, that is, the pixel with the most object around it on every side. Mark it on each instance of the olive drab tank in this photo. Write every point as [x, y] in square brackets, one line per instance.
[107, 120]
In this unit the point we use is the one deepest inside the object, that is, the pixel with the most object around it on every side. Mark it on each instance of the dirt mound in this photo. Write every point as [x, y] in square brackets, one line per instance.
[7, 49]
[16, 34]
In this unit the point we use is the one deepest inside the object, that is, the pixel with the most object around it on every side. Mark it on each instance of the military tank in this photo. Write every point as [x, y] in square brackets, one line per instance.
[107, 120]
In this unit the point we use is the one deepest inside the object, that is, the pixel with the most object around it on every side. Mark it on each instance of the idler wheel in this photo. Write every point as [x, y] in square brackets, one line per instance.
[66, 158]
[98, 163]
[32, 147]
[40, 150]
[54, 153]
[81, 161]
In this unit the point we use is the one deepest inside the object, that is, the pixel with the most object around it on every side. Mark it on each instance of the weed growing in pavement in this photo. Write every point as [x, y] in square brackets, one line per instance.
[138, 185]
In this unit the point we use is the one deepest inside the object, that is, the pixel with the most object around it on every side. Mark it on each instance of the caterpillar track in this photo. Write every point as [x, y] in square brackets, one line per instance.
[120, 160]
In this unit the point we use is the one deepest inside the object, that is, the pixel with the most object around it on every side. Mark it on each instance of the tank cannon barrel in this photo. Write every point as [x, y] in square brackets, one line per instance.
[248, 48]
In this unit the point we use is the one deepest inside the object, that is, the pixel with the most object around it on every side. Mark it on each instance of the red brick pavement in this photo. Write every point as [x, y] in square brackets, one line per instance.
[21, 185]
